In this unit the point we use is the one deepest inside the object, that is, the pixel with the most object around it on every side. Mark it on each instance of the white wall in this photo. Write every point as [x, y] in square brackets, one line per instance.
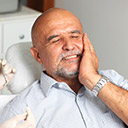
[106, 23]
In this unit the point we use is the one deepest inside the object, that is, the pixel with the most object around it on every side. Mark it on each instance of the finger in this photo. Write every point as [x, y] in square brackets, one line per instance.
[28, 111]
[19, 118]
[30, 118]
[8, 69]
[90, 46]
[85, 42]
[29, 114]
[3, 62]
[29, 121]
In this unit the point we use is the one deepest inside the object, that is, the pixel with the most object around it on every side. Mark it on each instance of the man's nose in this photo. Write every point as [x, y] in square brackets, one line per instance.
[68, 45]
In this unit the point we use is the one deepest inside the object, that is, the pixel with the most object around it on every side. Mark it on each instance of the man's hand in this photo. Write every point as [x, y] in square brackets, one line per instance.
[88, 75]
[6, 73]
[113, 96]
[29, 121]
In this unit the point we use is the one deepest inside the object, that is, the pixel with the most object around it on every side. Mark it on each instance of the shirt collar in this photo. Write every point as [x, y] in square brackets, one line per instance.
[47, 82]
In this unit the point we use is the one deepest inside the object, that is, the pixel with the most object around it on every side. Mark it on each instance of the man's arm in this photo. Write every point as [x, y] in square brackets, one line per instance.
[116, 99]
[113, 96]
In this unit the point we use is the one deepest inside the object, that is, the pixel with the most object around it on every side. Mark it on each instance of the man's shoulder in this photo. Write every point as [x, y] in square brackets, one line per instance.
[30, 92]
[30, 95]
[111, 74]
[108, 72]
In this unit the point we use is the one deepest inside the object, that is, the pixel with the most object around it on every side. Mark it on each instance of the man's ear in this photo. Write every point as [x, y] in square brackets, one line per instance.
[36, 55]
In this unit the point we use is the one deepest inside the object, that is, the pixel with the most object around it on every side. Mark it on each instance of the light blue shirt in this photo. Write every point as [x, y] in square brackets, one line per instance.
[55, 105]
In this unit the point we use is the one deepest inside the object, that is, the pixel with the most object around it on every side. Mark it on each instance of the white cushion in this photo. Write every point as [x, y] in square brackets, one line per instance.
[27, 68]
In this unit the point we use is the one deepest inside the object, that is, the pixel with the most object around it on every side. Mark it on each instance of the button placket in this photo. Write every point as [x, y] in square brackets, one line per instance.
[82, 108]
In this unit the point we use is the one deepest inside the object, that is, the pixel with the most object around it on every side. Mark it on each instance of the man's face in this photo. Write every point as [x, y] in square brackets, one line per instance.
[62, 47]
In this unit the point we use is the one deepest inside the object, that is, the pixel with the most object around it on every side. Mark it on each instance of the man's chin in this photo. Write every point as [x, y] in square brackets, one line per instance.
[68, 75]
[66, 72]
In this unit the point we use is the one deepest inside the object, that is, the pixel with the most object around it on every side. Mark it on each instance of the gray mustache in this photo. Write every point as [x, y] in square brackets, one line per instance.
[70, 53]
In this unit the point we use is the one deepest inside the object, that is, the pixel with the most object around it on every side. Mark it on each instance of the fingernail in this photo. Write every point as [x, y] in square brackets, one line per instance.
[4, 62]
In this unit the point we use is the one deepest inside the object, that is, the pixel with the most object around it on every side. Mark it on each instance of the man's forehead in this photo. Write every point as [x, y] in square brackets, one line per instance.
[61, 26]
[63, 32]
[71, 31]
[47, 24]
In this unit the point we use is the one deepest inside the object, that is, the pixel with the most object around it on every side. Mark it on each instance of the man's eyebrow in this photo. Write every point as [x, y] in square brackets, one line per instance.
[75, 31]
[51, 37]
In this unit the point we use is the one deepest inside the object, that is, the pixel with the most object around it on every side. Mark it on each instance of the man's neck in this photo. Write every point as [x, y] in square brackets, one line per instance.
[73, 83]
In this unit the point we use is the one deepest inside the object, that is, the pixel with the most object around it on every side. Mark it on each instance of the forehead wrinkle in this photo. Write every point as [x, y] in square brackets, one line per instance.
[75, 31]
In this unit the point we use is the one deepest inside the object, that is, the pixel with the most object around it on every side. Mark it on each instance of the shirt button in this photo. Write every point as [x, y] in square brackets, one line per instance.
[80, 95]
[60, 85]
[88, 120]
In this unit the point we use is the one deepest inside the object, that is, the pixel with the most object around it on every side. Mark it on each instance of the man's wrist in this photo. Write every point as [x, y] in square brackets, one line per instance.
[100, 84]
[91, 80]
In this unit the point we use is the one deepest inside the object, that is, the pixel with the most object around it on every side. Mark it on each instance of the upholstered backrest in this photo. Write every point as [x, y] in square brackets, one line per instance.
[27, 68]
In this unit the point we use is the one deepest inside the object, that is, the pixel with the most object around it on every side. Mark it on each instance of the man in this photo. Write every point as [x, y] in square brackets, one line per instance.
[71, 93]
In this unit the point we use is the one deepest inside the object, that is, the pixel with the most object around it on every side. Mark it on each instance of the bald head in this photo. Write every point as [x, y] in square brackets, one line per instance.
[56, 33]
[49, 19]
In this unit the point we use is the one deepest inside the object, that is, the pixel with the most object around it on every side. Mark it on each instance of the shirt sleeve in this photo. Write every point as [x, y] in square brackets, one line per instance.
[115, 78]
[15, 107]
[6, 114]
